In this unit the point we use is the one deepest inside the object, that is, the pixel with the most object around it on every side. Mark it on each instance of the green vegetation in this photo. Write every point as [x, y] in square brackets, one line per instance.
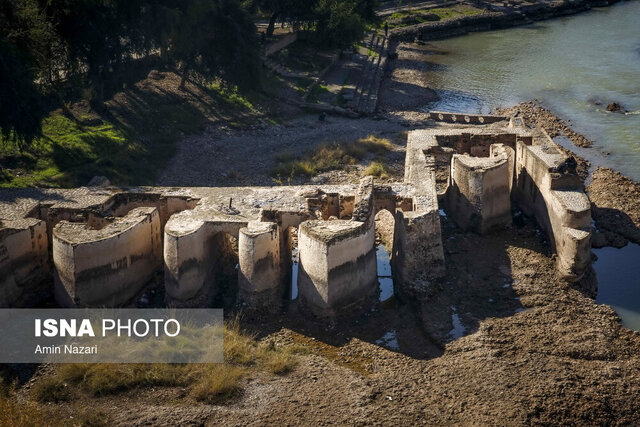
[68, 152]
[335, 23]
[129, 141]
[316, 92]
[211, 383]
[330, 157]
[53, 53]
[231, 95]
[413, 17]
[302, 84]
[455, 11]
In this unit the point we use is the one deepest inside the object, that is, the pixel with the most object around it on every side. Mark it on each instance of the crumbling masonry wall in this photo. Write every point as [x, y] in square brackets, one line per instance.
[549, 190]
[103, 245]
[107, 266]
[337, 258]
[479, 196]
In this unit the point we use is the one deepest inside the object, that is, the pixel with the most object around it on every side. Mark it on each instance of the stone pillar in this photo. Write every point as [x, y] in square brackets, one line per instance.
[337, 265]
[338, 259]
[259, 276]
[195, 243]
[478, 198]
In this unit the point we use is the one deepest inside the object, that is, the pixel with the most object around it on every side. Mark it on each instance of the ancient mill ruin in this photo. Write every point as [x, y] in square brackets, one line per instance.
[100, 246]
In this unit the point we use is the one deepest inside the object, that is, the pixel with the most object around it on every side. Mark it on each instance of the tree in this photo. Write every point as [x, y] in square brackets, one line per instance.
[339, 23]
[216, 38]
[23, 34]
[99, 34]
[286, 11]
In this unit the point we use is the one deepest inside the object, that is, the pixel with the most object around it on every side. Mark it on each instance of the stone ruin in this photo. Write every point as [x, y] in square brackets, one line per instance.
[102, 245]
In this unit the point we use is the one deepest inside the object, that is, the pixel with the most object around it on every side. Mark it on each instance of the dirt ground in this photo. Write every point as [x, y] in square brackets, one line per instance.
[405, 89]
[222, 156]
[615, 207]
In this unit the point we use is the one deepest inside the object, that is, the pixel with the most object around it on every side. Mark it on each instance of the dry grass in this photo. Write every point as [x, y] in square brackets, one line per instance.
[211, 383]
[218, 384]
[377, 169]
[51, 389]
[13, 413]
[330, 157]
[280, 362]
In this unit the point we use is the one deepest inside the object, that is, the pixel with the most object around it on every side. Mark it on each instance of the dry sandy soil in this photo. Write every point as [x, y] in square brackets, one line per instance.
[222, 156]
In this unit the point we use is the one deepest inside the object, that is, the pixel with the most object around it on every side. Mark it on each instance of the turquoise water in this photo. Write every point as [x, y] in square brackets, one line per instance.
[566, 63]
[619, 282]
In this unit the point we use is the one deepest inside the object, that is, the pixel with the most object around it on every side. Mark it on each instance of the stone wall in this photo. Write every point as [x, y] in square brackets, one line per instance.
[260, 275]
[554, 195]
[193, 247]
[107, 266]
[479, 194]
[106, 244]
[418, 257]
[24, 260]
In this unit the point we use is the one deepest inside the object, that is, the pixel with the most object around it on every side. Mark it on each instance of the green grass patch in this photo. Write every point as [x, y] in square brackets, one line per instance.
[414, 17]
[70, 153]
[455, 11]
[129, 141]
[329, 157]
[231, 95]
[316, 92]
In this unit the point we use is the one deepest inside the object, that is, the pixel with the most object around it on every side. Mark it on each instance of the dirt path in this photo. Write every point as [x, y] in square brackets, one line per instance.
[222, 156]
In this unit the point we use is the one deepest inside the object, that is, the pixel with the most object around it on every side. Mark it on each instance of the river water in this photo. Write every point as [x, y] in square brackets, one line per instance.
[566, 63]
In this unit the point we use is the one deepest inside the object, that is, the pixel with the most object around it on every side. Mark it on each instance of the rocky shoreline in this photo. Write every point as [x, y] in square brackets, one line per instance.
[494, 20]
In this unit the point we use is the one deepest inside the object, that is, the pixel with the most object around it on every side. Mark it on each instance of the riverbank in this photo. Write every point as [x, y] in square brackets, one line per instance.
[493, 20]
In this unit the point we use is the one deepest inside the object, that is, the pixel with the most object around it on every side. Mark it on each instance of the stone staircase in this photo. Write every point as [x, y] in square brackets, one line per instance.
[364, 98]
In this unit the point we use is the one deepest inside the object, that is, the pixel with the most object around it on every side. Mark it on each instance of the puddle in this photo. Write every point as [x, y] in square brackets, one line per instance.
[389, 340]
[458, 327]
[385, 280]
[294, 274]
[619, 282]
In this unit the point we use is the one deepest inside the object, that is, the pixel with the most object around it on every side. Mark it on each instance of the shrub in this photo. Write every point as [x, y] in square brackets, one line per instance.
[331, 157]
[219, 383]
[51, 389]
